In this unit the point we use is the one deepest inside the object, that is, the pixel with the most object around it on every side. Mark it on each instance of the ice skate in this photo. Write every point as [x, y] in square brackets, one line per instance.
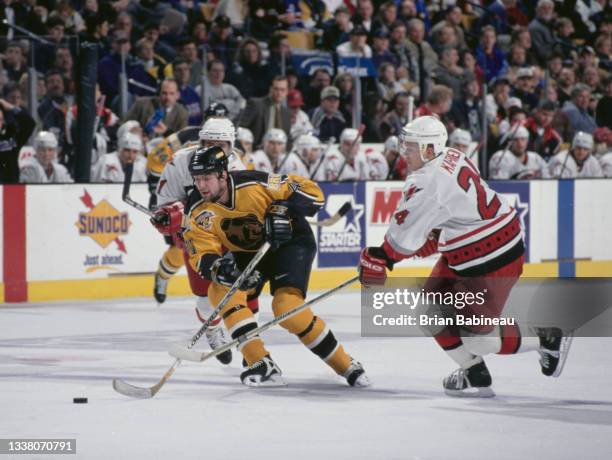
[554, 347]
[264, 373]
[355, 375]
[217, 338]
[474, 382]
[160, 288]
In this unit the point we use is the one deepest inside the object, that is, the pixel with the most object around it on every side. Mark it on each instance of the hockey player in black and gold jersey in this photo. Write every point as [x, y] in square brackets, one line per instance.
[239, 210]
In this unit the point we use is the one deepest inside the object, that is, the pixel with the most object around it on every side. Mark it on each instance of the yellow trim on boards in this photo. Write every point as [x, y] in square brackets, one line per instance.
[142, 285]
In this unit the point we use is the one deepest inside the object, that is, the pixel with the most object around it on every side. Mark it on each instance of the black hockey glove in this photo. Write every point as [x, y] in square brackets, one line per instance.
[278, 224]
[224, 271]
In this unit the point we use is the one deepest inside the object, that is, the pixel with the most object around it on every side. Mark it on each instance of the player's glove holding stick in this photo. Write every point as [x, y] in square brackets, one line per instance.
[374, 261]
[277, 224]
[225, 271]
[168, 220]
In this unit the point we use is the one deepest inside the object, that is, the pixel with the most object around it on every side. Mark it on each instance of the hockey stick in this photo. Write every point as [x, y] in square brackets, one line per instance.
[343, 211]
[196, 356]
[125, 194]
[133, 391]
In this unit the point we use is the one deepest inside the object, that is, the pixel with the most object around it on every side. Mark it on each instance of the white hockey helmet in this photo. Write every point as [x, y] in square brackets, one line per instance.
[348, 134]
[392, 144]
[582, 139]
[45, 139]
[424, 131]
[520, 133]
[127, 127]
[130, 141]
[307, 141]
[218, 129]
[275, 135]
[461, 137]
[244, 135]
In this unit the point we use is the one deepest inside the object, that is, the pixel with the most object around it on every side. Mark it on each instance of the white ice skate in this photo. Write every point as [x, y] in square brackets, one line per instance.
[474, 382]
[217, 337]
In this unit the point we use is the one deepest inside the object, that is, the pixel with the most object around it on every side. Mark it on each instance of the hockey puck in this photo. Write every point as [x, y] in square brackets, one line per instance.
[79, 400]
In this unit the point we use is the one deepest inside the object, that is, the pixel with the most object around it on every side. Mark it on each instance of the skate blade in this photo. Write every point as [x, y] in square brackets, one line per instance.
[472, 392]
[566, 343]
[272, 382]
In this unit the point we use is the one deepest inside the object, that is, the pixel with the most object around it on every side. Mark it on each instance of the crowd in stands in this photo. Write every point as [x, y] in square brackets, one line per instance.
[313, 70]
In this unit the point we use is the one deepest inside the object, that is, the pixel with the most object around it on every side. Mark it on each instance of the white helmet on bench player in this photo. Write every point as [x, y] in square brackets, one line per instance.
[218, 129]
[424, 131]
[130, 141]
[275, 135]
[45, 140]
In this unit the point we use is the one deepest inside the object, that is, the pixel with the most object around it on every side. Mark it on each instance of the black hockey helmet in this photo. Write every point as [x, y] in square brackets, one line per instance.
[208, 160]
[216, 109]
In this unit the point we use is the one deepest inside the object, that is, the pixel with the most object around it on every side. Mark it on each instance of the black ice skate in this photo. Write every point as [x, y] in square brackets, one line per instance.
[264, 373]
[217, 338]
[355, 375]
[474, 382]
[554, 347]
[159, 290]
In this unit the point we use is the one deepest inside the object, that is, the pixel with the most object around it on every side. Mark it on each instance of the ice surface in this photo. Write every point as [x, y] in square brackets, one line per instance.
[52, 353]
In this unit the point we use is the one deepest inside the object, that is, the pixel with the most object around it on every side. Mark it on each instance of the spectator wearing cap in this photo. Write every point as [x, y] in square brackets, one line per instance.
[488, 56]
[357, 45]
[264, 113]
[380, 49]
[14, 62]
[220, 92]
[365, 15]
[16, 126]
[249, 73]
[221, 40]
[579, 161]
[524, 88]
[189, 98]
[387, 15]
[336, 30]
[160, 115]
[449, 73]
[541, 29]
[300, 123]
[543, 138]
[466, 109]
[452, 18]
[424, 58]
[577, 109]
[327, 119]
[603, 113]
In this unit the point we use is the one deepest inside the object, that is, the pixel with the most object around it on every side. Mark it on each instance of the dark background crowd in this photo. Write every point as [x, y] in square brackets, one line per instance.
[545, 64]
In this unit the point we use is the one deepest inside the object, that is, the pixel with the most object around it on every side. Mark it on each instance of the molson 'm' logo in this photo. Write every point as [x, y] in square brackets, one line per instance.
[103, 223]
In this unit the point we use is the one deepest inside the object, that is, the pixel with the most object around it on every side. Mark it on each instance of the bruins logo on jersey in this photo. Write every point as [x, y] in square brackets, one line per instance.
[245, 232]
[205, 220]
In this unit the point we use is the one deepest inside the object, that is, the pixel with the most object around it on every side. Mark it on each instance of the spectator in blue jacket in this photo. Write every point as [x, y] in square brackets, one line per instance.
[488, 56]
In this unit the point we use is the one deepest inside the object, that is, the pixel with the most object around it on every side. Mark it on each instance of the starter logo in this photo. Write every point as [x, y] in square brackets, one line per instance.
[341, 243]
[103, 223]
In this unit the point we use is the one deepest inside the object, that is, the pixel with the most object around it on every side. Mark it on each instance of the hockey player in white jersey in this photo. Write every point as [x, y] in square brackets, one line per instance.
[446, 206]
[274, 147]
[110, 167]
[173, 189]
[347, 162]
[578, 161]
[308, 149]
[43, 168]
[516, 162]
[605, 161]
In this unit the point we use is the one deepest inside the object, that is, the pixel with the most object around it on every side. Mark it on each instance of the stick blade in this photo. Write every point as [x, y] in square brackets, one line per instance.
[132, 391]
[344, 209]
